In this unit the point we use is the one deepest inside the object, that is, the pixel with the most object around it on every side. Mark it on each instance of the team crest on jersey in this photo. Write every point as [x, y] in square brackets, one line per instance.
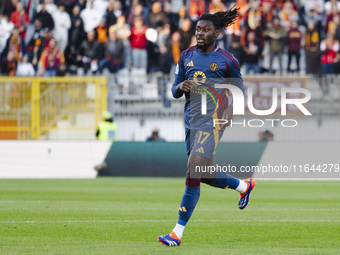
[213, 66]
[199, 77]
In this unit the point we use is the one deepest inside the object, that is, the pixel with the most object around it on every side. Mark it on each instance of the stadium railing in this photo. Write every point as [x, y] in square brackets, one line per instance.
[69, 108]
[30, 107]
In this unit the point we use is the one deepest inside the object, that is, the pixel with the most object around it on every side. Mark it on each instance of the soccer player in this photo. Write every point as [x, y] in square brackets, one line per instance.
[198, 68]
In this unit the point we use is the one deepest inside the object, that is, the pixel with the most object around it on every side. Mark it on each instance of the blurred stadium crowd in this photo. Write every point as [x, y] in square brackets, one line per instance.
[60, 37]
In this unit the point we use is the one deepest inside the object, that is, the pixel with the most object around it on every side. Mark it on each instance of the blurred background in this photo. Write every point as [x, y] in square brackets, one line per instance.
[65, 62]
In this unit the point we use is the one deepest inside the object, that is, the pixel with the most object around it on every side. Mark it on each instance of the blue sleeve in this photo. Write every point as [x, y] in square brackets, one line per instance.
[180, 77]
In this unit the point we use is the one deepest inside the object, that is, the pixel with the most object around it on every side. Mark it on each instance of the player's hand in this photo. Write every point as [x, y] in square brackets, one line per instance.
[227, 115]
[186, 85]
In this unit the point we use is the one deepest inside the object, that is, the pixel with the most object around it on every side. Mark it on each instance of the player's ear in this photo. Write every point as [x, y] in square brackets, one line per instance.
[217, 32]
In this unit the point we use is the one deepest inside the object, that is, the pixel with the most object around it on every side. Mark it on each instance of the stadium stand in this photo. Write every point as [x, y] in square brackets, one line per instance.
[139, 95]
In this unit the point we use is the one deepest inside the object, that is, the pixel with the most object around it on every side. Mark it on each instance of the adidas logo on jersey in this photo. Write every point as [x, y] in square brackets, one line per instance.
[190, 63]
[200, 150]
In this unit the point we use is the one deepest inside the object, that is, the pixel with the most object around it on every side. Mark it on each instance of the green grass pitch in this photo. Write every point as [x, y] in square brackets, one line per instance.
[125, 216]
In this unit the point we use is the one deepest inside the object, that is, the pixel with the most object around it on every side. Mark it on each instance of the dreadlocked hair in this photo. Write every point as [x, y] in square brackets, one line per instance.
[222, 20]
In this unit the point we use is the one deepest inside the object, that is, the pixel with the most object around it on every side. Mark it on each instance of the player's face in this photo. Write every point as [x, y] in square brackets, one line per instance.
[206, 34]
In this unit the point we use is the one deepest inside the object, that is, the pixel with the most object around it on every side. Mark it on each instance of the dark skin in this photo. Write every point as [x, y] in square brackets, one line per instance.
[206, 35]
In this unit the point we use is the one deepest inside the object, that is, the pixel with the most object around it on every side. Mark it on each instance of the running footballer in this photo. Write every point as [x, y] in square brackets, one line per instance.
[199, 68]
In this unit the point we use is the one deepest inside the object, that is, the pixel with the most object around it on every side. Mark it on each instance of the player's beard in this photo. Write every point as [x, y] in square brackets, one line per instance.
[202, 47]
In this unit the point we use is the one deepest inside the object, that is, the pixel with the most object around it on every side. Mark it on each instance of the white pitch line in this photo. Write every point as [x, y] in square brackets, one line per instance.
[134, 221]
[170, 209]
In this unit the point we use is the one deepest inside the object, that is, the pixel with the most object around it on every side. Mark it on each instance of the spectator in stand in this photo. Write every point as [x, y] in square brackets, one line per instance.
[114, 10]
[25, 68]
[252, 18]
[268, 11]
[155, 136]
[122, 29]
[157, 18]
[6, 28]
[312, 35]
[173, 18]
[164, 36]
[176, 42]
[50, 59]
[72, 60]
[2, 7]
[182, 14]
[280, 4]
[287, 15]
[329, 48]
[315, 17]
[114, 53]
[137, 11]
[35, 40]
[313, 60]
[196, 9]
[332, 20]
[81, 4]
[233, 29]
[138, 43]
[62, 23]
[62, 70]
[91, 17]
[90, 52]
[76, 33]
[123, 32]
[235, 48]
[153, 53]
[294, 41]
[244, 6]
[165, 63]
[331, 5]
[101, 6]
[252, 54]
[102, 31]
[15, 45]
[253, 25]
[45, 17]
[186, 33]
[19, 18]
[217, 6]
[335, 29]
[276, 35]
[9, 7]
[9, 65]
[315, 5]
[51, 8]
